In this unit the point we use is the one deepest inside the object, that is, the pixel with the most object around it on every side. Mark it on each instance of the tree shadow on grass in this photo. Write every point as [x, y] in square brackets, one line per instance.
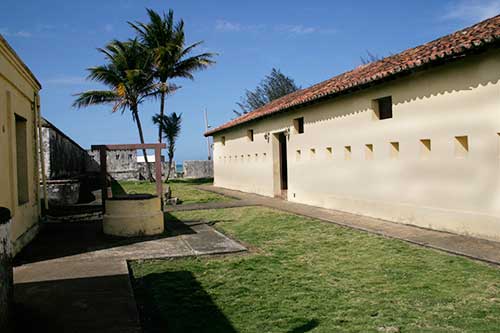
[117, 188]
[192, 181]
[176, 302]
[308, 326]
[174, 226]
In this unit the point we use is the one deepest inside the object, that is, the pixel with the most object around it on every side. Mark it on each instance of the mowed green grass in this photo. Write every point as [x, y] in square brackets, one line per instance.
[303, 275]
[183, 189]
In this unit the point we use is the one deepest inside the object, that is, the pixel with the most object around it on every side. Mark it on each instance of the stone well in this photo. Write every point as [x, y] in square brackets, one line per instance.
[133, 215]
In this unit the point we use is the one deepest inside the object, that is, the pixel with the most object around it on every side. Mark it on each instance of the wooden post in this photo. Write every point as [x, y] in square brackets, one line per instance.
[104, 180]
[159, 180]
[158, 165]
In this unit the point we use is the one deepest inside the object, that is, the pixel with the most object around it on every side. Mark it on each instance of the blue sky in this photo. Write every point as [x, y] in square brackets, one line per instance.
[310, 41]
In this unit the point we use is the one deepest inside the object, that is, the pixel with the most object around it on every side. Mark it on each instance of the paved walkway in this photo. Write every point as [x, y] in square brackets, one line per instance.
[471, 247]
[73, 278]
[208, 205]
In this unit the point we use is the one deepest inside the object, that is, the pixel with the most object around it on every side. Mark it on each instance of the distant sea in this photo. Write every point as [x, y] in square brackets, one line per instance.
[178, 167]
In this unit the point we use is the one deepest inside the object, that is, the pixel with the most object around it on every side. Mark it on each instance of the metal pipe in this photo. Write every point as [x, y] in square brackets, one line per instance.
[208, 138]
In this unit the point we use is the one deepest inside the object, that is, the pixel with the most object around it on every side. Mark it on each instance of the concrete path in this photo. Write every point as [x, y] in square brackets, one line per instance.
[471, 247]
[208, 205]
[72, 278]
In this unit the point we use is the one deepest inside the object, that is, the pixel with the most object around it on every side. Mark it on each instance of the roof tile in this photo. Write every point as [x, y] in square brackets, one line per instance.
[455, 45]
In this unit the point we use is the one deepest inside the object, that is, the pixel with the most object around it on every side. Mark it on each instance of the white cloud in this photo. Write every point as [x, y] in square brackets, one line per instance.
[297, 29]
[473, 10]
[45, 27]
[67, 80]
[228, 26]
[225, 26]
[300, 29]
[21, 33]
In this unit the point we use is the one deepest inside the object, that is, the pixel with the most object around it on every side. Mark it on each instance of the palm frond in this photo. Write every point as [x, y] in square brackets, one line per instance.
[95, 97]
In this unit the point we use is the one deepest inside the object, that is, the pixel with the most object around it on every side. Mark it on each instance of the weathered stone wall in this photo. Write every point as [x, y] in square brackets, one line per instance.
[64, 158]
[198, 169]
[121, 164]
[142, 173]
[5, 270]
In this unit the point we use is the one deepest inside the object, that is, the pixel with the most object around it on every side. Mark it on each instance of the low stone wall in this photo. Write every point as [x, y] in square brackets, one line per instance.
[6, 279]
[142, 173]
[63, 192]
[120, 164]
[63, 157]
[198, 169]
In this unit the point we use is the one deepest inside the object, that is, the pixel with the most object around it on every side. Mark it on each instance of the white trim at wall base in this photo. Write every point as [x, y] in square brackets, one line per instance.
[465, 223]
[479, 225]
[25, 238]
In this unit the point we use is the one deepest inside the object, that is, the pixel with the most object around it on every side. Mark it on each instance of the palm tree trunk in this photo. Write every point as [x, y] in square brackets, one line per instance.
[135, 112]
[170, 158]
[162, 112]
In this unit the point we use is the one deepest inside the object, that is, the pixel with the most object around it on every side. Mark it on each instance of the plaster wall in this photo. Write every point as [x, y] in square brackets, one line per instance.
[17, 94]
[446, 189]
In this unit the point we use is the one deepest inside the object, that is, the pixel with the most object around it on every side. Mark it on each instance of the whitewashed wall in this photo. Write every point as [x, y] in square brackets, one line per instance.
[444, 190]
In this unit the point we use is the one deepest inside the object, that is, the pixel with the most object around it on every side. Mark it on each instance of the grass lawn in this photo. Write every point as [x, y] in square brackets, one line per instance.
[181, 188]
[304, 275]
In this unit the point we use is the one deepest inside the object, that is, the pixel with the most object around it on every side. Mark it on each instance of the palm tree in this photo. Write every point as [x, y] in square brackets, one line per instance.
[129, 78]
[170, 126]
[171, 58]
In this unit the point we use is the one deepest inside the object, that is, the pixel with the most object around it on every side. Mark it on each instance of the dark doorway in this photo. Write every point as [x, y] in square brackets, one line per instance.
[283, 165]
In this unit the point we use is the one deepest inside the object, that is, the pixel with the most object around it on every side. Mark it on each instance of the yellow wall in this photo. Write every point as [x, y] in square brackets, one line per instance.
[17, 93]
[446, 190]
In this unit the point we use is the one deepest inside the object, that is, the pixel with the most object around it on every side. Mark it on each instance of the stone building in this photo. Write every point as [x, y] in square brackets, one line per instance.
[127, 165]
[413, 138]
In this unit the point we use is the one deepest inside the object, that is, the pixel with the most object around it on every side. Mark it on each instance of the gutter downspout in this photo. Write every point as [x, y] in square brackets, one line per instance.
[42, 155]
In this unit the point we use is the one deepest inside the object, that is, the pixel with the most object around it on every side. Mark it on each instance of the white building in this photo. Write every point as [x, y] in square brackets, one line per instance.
[413, 138]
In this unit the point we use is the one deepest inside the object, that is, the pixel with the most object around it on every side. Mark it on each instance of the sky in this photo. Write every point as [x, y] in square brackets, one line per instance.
[310, 41]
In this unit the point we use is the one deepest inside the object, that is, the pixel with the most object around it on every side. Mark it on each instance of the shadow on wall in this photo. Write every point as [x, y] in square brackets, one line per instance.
[459, 76]
[176, 302]
[451, 80]
[94, 304]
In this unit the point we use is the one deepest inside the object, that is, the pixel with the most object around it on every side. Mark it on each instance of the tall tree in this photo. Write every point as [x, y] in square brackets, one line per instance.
[171, 57]
[170, 126]
[127, 74]
[273, 86]
[370, 57]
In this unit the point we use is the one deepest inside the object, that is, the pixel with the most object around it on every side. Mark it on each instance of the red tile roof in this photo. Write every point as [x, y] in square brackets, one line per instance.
[456, 45]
